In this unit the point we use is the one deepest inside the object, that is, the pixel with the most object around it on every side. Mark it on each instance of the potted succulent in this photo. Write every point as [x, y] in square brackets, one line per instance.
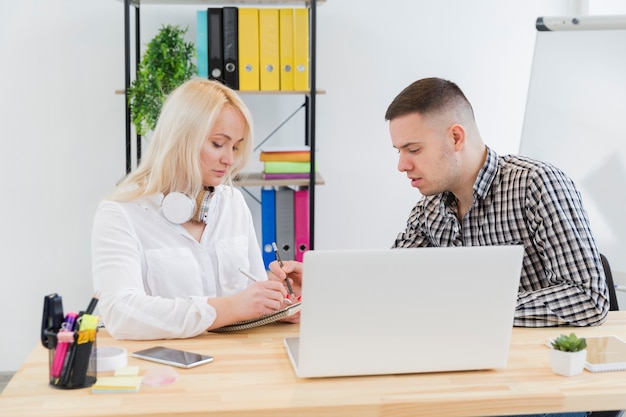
[568, 354]
[166, 64]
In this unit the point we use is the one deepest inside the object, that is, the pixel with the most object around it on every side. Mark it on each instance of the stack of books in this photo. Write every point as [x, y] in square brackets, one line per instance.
[286, 162]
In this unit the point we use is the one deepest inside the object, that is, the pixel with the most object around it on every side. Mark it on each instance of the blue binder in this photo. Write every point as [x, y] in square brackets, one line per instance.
[268, 224]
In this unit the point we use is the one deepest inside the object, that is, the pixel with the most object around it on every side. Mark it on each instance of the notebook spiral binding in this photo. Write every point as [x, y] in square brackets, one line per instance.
[260, 321]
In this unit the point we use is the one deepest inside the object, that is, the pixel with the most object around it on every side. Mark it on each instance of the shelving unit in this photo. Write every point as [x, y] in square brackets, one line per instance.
[248, 179]
[253, 179]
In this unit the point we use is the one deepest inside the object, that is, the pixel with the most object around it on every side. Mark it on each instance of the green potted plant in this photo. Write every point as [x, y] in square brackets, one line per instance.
[568, 355]
[166, 64]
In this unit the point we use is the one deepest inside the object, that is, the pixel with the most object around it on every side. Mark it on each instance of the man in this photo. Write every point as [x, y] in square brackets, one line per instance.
[473, 197]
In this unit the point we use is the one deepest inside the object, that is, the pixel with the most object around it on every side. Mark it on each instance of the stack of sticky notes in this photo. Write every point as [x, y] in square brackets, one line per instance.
[286, 162]
[125, 379]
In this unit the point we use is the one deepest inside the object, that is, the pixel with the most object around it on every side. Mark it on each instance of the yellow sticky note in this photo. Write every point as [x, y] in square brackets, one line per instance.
[127, 371]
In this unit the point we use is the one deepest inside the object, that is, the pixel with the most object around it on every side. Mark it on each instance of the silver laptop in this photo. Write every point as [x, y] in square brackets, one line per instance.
[393, 311]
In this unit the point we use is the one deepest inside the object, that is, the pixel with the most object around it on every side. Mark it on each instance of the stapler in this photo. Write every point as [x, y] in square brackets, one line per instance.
[52, 320]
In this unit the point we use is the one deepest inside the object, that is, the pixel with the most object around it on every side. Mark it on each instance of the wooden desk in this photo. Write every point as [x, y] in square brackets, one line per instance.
[252, 376]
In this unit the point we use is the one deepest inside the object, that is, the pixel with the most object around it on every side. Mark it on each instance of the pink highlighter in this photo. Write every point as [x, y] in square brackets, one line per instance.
[65, 337]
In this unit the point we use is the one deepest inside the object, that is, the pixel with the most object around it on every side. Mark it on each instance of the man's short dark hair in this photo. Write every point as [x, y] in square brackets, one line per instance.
[425, 96]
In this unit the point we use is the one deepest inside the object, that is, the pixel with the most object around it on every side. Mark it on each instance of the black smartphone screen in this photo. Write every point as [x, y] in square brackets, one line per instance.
[174, 357]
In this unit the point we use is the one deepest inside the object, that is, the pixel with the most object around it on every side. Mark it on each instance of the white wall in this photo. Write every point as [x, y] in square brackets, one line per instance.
[62, 126]
[61, 133]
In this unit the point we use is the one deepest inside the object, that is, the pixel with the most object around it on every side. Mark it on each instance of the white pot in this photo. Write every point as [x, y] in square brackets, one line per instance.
[568, 363]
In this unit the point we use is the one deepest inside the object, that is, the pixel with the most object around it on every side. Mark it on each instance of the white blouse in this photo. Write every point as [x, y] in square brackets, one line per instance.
[154, 278]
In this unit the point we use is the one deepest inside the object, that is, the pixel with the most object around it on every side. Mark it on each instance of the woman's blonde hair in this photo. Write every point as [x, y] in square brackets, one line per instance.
[172, 159]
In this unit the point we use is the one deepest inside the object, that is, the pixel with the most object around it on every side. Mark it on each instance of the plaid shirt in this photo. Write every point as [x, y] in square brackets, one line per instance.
[521, 201]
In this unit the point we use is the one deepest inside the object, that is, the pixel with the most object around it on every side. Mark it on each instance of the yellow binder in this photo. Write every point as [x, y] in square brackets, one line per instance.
[286, 49]
[269, 53]
[301, 49]
[248, 32]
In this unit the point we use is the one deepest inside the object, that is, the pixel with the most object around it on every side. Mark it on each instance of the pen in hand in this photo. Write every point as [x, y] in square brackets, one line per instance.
[280, 262]
[255, 279]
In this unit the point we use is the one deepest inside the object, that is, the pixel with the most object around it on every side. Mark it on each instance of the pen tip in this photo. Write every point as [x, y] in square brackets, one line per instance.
[274, 246]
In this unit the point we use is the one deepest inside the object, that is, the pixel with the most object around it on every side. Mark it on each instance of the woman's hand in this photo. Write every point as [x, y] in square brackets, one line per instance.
[258, 299]
[263, 297]
[291, 268]
[278, 274]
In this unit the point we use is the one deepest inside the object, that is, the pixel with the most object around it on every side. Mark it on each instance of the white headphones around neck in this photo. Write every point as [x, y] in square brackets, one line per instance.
[179, 208]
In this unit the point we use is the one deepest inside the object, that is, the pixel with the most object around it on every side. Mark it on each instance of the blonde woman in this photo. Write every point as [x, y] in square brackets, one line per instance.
[168, 244]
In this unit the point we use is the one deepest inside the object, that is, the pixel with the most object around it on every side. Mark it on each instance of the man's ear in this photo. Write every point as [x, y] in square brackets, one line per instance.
[457, 132]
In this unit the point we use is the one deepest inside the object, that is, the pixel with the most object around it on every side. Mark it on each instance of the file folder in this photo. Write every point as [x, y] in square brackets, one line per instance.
[269, 54]
[202, 44]
[284, 167]
[285, 17]
[301, 49]
[285, 237]
[231, 68]
[301, 222]
[304, 156]
[216, 53]
[268, 224]
[286, 175]
[286, 153]
[248, 31]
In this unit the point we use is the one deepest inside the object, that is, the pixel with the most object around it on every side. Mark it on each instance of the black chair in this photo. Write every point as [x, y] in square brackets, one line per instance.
[614, 307]
[610, 283]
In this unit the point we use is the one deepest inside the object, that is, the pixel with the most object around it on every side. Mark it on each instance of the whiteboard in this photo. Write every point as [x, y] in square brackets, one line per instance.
[576, 119]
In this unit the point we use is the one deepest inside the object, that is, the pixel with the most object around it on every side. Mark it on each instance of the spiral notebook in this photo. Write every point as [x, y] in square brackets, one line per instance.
[260, 321]
[606, 353]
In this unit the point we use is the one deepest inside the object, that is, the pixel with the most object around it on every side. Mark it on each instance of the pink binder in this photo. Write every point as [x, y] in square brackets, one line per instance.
[301, 221]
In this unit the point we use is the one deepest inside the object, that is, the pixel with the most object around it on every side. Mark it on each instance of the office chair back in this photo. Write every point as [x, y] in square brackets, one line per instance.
[610, 283]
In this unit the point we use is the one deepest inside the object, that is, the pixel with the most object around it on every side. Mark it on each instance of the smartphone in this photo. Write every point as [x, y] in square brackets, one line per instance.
[174, 357]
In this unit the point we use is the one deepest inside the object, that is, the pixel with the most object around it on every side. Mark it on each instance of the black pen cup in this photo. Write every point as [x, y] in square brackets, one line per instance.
[72, 358]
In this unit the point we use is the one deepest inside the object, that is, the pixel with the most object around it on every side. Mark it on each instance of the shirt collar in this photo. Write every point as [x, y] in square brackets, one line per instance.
[483, 182]
[487, 174]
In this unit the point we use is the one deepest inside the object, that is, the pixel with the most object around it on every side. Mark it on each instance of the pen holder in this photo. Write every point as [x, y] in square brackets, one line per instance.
[72, 358]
